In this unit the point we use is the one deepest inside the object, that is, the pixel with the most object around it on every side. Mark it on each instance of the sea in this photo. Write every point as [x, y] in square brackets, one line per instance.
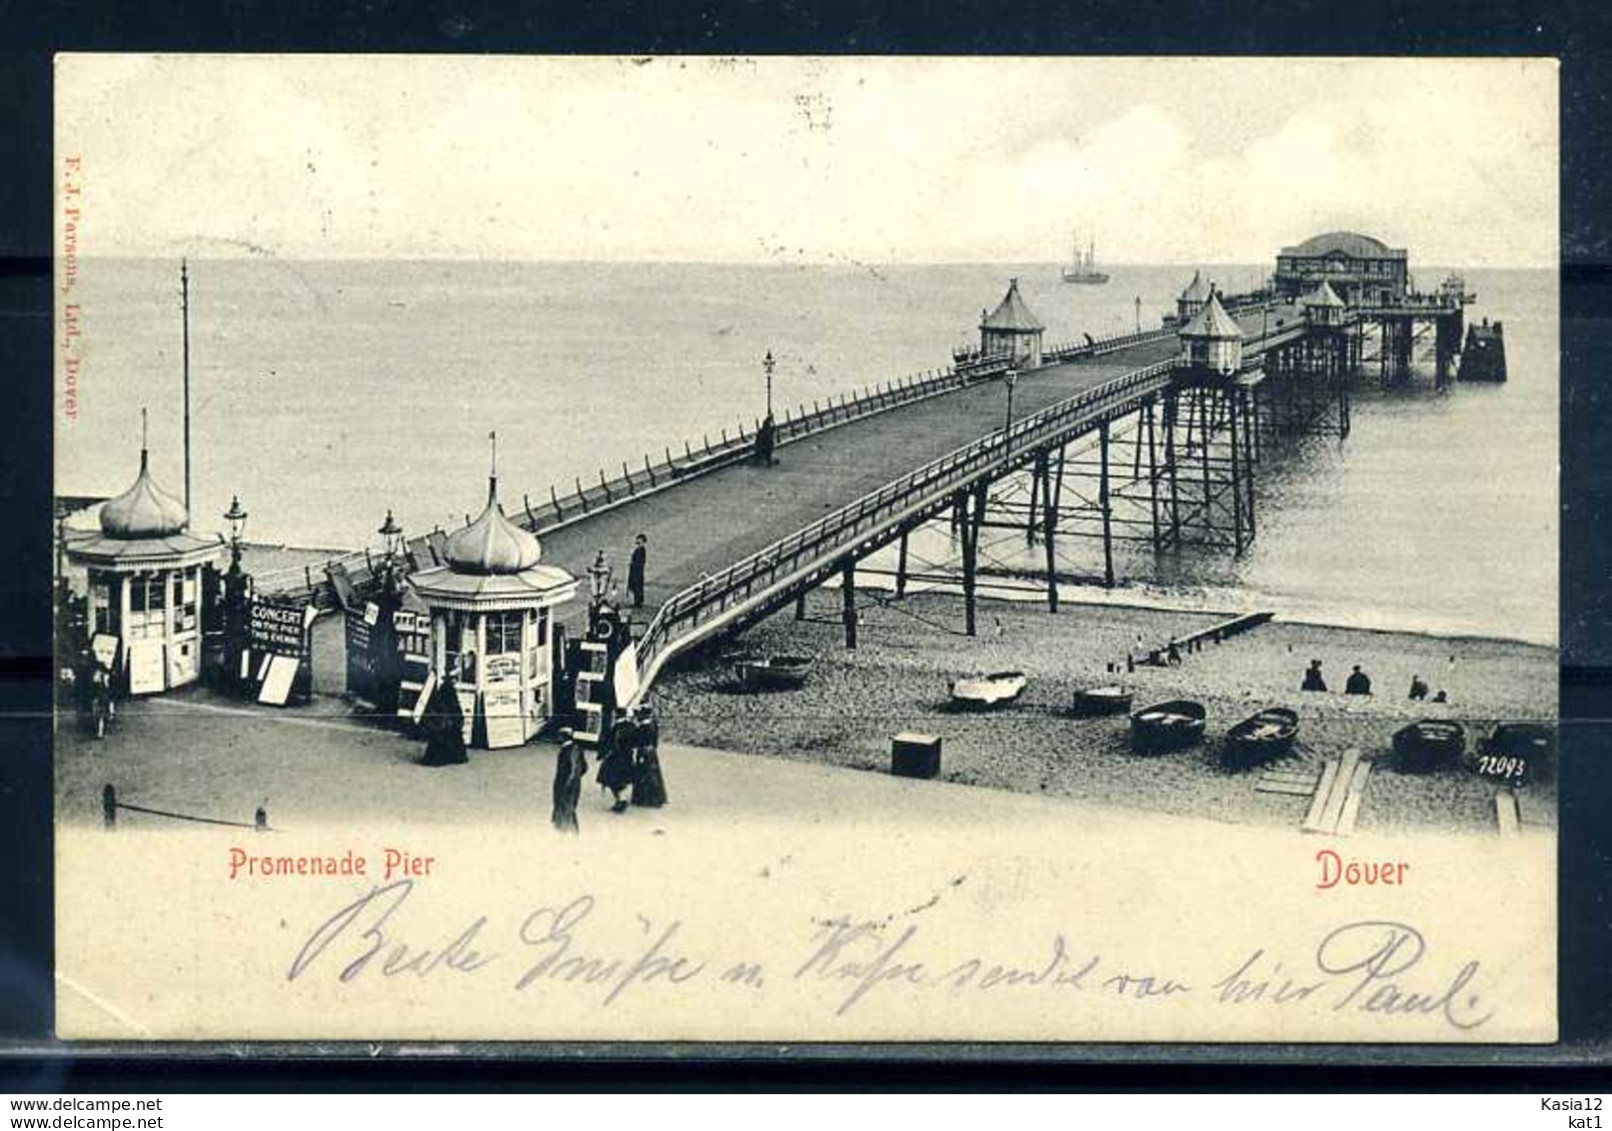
[324, 393]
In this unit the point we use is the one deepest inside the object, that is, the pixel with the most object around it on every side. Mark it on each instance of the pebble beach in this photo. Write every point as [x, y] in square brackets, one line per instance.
[897, 680]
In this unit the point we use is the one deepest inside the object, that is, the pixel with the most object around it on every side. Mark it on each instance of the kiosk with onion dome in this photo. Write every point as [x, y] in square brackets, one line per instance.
[145, 586]
[491, 612]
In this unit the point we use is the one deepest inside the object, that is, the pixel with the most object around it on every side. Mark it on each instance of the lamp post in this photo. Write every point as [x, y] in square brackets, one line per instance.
[598, 585]
[391, 546]
[234, 596]
[236, 517]
[767, 364]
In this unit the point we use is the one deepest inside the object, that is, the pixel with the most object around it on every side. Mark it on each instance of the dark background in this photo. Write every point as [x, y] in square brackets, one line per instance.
[1577, 33]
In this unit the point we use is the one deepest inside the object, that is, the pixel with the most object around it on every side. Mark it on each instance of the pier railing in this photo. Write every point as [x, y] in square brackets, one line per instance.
[813, 551]
[1097, 347]
[583, 498]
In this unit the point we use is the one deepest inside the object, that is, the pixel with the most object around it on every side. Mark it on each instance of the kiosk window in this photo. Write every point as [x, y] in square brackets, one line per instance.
[504, 633]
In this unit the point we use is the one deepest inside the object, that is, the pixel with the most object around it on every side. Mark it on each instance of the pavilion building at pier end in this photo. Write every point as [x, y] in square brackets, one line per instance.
[1362, 271]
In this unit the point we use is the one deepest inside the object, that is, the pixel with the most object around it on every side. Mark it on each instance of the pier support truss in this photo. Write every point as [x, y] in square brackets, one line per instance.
[1175, 469]
[1399, 336]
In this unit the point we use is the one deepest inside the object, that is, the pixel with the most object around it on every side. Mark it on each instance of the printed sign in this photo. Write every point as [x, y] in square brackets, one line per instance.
[502, 669]
[417, 708]
[104, 647]
[278, 629]
[626, 675]
[467, 707]
[501, 707]
[147, 667]
[277, 684]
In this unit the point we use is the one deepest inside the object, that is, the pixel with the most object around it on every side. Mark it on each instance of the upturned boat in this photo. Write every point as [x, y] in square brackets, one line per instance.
[982, 693]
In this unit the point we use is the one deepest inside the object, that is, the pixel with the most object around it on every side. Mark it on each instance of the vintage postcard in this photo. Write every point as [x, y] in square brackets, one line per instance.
[805, 549]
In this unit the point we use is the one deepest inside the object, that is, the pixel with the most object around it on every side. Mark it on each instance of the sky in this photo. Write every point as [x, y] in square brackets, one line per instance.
[857, 160]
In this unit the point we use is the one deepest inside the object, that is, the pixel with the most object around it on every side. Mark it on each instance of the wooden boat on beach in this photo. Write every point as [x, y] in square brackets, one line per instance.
[982, 693]
[1261, 737]
[774, 673]
[1171, 725]
[1426, 745]
[1093, 701]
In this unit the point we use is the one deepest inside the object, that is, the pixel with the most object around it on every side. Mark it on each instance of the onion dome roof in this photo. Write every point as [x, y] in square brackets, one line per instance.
[1012, 314]
[1212, 322]
[492, 544]
[144, 510]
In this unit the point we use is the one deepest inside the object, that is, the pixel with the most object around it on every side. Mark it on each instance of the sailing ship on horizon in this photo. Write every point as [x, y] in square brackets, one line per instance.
[1083, 265]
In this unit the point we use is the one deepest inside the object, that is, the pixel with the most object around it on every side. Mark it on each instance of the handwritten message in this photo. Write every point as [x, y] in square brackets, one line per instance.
[1378, 967]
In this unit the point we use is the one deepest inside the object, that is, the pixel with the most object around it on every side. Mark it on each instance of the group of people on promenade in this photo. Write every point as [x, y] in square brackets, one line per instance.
[1359, 683]
[631, 762]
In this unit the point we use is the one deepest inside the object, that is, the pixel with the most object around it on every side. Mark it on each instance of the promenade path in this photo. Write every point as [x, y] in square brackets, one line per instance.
[707, 523]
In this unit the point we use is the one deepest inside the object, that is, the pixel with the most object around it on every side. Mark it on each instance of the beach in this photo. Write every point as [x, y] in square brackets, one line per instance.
[897, 680]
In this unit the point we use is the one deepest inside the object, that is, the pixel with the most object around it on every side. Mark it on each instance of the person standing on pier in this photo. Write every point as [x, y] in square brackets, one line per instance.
[766, 440]
[616, 766]
[636, 566]
[648, 787]
[1312, 678]
[570, 767]
[444, 725]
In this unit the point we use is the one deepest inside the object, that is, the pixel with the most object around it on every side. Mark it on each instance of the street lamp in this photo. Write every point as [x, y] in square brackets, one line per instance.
[235, 599]
[391, 545]
[767, 364]
[599, 577]
[236, 517]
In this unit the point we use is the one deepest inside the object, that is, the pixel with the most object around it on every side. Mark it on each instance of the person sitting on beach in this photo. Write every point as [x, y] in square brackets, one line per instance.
[1312, 678]
[1418, 688]
[1440, 697]
[1358, 683]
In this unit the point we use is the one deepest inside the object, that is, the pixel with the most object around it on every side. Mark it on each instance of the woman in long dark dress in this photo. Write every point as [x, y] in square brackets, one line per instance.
[616, 768]
[569, 770]
[444, 726]
[648, 787]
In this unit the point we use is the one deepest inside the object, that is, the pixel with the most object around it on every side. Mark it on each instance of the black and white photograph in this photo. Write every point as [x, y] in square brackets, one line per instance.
[806, 549]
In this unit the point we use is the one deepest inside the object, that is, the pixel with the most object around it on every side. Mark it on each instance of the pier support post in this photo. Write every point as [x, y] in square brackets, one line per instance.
[901, 566]
[848, 602]
[1172, 411]
[1232, 396]
[1049, 525]
[800, 605]
[1249, 431]
[1032, 513]
[1152, 471]
[1103, 503]
[971, 505]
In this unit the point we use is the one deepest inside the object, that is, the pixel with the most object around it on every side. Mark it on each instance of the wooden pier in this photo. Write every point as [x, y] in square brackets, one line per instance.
[1117, 439]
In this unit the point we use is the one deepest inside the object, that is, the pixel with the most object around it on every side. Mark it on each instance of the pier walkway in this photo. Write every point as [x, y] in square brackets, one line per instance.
[730, 540]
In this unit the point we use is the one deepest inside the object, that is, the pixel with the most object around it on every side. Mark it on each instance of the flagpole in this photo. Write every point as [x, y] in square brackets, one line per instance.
[184, 301]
